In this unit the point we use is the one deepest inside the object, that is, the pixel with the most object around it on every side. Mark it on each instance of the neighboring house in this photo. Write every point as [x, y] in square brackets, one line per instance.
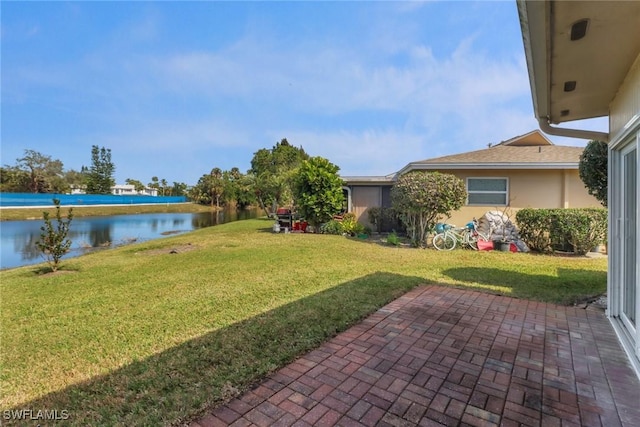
[130, 190]
[525, 171]
[82, 189]
[121, 190]
[584, 62]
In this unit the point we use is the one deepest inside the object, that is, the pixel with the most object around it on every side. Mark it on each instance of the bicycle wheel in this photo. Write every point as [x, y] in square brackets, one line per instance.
[482, 236]
[444, 242]
[472, 241]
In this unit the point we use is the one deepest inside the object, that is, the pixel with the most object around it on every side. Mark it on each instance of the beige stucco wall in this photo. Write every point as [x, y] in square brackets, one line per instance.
[530, 189]
[527, 189]
[626, 104]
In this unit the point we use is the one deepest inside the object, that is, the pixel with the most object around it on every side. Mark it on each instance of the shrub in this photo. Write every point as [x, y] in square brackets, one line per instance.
[53, 242]
[318, 190]
[332, 227]
[582, 228]
[421, 198]
[593, 169]
[393, 239]
[535, 225]
[382, 217]
[350, 225]
[544, 229]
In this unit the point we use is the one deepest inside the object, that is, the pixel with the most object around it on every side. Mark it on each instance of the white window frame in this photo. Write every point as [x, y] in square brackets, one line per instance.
[623, 143]
[506, 192]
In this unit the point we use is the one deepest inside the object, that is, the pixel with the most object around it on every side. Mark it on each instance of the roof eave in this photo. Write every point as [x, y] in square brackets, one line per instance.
[476, 166]
[364, 180]
[535, 24]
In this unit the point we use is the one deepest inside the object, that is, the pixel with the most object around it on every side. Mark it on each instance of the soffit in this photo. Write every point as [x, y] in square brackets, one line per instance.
[597, 63]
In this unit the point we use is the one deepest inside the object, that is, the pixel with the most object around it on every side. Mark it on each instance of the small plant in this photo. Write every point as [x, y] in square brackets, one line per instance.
[53, 242]
[350, 225]
[332, 227]
[393, 239]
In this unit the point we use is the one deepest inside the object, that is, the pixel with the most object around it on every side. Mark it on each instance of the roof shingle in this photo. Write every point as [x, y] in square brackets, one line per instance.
[513, 154]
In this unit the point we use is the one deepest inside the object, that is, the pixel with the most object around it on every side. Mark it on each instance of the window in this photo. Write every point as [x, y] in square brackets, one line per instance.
[487, 191]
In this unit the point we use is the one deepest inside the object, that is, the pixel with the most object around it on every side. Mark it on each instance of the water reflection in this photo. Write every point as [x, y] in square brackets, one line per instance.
[18, 238]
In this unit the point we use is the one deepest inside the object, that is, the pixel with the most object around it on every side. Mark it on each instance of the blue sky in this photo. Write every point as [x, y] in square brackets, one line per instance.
[177, 88]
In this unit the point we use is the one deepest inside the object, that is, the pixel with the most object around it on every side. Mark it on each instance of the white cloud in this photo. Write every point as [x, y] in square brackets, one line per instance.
[364, 152]
[370, 102]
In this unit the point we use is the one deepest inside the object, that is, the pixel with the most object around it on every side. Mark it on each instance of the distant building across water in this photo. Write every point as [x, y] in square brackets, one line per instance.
[122, 190]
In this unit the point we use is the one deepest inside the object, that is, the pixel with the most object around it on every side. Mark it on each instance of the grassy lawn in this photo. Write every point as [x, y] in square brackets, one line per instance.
[140, 336]
[14, 214]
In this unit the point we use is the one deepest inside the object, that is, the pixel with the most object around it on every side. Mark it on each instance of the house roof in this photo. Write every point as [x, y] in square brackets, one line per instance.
[535, 137]
[578, 53]
[514, 154]
[529, 151]
[369, 180]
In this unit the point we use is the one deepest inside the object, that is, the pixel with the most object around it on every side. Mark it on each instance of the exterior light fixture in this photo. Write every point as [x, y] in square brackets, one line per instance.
[570, 86]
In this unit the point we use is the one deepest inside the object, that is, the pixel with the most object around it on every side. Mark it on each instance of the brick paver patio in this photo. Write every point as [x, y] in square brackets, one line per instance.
[443, 356]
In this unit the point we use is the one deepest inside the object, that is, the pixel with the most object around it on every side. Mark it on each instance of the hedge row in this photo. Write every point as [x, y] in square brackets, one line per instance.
[545, 229]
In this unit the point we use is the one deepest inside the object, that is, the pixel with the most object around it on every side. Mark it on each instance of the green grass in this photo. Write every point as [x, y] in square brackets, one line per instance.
[139, 336]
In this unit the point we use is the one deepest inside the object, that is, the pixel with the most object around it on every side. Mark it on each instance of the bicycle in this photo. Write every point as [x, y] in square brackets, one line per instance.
[448, 236]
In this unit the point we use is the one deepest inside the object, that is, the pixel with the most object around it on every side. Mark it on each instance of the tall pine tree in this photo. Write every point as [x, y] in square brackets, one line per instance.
[100, 176]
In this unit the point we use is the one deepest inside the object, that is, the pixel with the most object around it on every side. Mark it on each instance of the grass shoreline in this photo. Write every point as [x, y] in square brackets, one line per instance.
[139, 335]
[35, 213]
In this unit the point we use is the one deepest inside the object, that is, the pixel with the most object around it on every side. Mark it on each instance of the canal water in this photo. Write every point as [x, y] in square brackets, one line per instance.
[18, 238]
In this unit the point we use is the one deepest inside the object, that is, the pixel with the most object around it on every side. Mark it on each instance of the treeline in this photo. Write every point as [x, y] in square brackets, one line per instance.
[36, 172]
[268, 183]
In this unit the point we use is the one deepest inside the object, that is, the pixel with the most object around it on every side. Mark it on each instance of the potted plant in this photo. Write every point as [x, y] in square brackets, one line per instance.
[502, 234]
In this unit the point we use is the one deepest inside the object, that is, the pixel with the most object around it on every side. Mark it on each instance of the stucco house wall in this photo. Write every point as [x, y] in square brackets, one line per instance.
[529, 189]
[538, 175]
[626, 105]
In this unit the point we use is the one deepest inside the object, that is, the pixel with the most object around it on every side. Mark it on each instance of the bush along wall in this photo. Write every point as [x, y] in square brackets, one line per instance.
[385, 219]
[577, 229]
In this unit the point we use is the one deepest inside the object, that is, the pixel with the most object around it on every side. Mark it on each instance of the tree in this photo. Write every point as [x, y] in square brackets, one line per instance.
[593, 169]
[74, 179]
[318, 190]
[273, 170]
[53, 242]
[216, 186]
[179, 189]
[245, 191]
[163, 183]
[137, 185]
[45, 174]
[100, 175]
[421, 198]
[155, 183]
[14, 180]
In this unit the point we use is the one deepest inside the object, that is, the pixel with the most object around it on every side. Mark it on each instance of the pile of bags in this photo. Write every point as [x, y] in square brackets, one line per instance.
[498, 227]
